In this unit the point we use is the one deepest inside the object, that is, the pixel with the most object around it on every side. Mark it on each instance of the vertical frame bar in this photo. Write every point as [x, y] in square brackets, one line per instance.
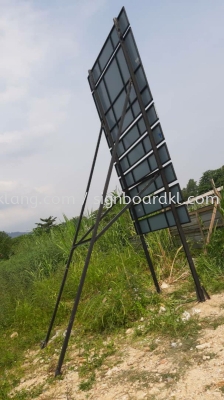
[44, 343]
[199, 290]
[111, 143]
[92, 242]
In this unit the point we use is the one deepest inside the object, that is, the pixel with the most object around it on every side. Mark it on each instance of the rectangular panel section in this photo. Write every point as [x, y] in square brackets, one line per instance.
[109, 46]
[140, 150]
[163, 220]
[182, 214]
[132, 50]
[106, 54]
[111, 85]
[145, 167]
[152, 116]
[123, 21]
[163, 154]
[139, 153]
[134, 133]
[157, 184]
[113, 80]
[158, 201]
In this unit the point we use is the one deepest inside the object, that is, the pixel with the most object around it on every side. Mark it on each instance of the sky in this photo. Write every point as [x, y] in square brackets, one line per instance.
[48, 121]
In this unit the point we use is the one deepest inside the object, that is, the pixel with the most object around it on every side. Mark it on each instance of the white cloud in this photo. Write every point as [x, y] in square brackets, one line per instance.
[45, 117]
[30, 47]
[7, 185]
[12, 93]
[21, 187]
[17, 218]
[47, 111]
[20, 50]
[41, 101]
[88, 8]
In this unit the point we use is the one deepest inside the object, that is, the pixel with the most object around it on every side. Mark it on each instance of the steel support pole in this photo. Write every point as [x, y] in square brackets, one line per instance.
[92, 242]
[82, 241]
[147, 255]
[144, 245]
[44, 343]
[199, 289]
[129, 205]
[148, 258]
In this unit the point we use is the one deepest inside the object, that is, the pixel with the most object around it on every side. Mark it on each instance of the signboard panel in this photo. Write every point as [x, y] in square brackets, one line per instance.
[132, 136]
[162, 220]
[112, 88]
[142, 149]
[145, 167]
[157, 201]
[157, 184]
[109, 46]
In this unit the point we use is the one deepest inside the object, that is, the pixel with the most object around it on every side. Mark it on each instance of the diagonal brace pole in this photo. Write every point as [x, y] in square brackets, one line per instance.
[144, 245]
[125, 208]
[92, 242]
[44, 343]
[199, 290]
[111, 143]
[82, 240]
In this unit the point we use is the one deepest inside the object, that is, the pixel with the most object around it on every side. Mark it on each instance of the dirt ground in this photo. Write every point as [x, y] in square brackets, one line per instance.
[142, 369]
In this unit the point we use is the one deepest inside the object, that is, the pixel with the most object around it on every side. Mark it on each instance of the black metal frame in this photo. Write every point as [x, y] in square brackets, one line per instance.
[121, 174]
[148, 179]
[44, 343]
[84, 241]
[96, 236]
[92, 241]
[201, 293]
[108, 38]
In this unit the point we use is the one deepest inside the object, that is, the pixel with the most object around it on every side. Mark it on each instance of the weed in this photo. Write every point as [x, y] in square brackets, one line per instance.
[118, 290]
[87, 384]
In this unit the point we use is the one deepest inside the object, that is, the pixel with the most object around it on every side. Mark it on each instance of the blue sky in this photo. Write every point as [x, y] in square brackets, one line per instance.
[48, 122]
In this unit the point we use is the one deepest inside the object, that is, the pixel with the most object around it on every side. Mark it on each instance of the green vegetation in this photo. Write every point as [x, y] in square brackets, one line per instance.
[190, 190]
[45, 225]
[205, 181]
[194, 189]
[5, 246]
[118, 290]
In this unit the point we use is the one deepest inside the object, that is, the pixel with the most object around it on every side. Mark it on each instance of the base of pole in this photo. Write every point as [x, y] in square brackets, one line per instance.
[57, 372]
[206, 293]
[203, 295]
[43, 344]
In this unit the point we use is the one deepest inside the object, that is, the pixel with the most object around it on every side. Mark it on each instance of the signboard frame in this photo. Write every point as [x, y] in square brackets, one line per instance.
[162, 176]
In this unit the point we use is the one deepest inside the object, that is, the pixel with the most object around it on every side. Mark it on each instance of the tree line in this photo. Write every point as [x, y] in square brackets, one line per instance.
[204, 185]
[192, 189]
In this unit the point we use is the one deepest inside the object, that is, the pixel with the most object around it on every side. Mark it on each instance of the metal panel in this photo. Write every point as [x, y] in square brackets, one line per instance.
[135, 132]
[139, 153]
[145, 167]
[158, 201]
[109, 46]
[157, 185]
[163, 220]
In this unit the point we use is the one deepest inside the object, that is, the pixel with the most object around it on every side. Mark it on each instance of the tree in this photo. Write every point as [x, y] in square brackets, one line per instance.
[46, 224]
[5, 246]
[205, 181]
[190, 190]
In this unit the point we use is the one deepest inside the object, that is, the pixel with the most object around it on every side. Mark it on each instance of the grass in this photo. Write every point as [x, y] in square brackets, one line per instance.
[118, 290]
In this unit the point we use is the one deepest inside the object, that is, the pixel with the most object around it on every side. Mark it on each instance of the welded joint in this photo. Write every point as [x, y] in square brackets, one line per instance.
[118, 29]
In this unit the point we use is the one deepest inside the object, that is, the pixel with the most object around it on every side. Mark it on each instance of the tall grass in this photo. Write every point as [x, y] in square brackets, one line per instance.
[118, 288]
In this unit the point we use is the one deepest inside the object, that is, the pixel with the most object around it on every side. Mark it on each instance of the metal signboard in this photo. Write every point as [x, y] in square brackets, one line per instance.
[141, 149]
[139, 153]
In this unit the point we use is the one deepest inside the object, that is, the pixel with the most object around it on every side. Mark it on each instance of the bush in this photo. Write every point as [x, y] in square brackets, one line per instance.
[5, 246]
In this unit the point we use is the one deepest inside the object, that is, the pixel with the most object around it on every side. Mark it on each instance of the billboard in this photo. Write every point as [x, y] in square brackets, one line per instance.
[142, 149]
